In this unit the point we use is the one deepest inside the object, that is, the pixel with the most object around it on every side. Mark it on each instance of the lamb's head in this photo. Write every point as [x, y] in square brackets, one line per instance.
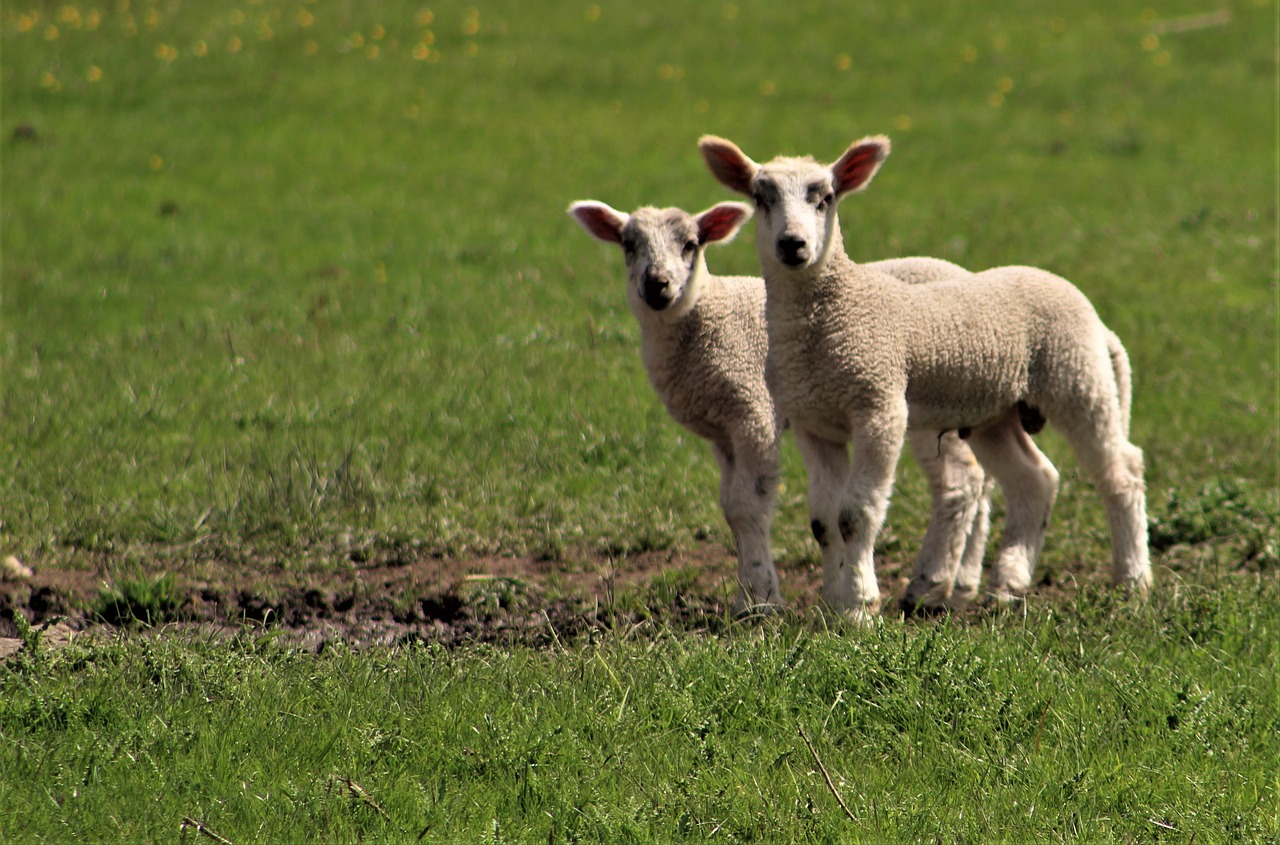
[664, 248]
[797, 229]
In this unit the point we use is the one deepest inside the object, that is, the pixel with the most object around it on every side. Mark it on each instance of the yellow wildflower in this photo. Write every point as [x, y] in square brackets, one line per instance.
[844, 61]
[94, 74]
[305, 18]
[426, 17]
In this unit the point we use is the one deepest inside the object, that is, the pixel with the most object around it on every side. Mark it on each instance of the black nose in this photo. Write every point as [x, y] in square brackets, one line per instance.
[656, 293]
[792, 251]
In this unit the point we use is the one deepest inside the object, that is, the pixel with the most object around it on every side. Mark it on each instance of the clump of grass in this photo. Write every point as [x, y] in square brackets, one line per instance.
[1226, 512]
[148, 600]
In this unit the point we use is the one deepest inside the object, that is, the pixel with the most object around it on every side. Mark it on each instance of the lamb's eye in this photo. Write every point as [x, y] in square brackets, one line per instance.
[825, 201]
[758, 196]
[690, 247]
[629, 248]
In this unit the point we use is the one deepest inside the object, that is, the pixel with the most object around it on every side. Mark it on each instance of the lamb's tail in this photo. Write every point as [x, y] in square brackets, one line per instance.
[1124, 376]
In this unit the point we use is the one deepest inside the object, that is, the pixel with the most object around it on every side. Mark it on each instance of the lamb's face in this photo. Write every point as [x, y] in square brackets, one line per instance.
[797, 229]
[795, 212]
[663, 254]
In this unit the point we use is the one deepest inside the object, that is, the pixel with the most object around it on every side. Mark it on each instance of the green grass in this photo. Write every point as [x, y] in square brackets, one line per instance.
[260, 298]
[281, 277]
[1096, 722]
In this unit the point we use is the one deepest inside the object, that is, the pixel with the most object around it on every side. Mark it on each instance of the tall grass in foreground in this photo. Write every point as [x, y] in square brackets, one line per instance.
[1099, 722]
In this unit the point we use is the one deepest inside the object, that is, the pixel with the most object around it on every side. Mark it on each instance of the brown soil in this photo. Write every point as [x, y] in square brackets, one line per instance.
[387, 597]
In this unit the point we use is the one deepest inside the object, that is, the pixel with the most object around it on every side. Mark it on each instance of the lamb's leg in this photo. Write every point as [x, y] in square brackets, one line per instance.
[748, 488]
[1030, 485]
[1116, 466]
[951, 553]
[827, 465]
[969, 577]
[847, 517]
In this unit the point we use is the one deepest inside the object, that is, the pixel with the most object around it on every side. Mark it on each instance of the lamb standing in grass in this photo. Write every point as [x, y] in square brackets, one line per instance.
[856, 356]
[704, 346]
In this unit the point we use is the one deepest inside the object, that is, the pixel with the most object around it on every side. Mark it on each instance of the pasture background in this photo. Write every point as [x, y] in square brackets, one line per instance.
[289, 285]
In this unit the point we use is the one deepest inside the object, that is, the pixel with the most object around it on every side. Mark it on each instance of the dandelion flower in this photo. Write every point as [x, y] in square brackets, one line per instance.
[1151, 42]
[767, 88]
[969, 54]
[1005, 85]
[200, 49]
[844, 61]
[26, 23]
[378, 32]
[155, 162]
[51, 33]
[593, 13]
[94, 74]
[311, 47]
[48, 80]
[471, 25]
[996, 99]
[903, 122]
[730, 11]
[426, 17]
[234, 44]
[1163, 58]
[1058, 25]
[305, 18]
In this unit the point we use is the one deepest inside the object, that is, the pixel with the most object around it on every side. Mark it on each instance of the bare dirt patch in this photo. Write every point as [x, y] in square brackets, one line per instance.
[391, 596]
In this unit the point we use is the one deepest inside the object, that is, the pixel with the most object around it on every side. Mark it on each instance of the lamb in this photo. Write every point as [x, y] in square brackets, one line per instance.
[856, 357]
[703, 344]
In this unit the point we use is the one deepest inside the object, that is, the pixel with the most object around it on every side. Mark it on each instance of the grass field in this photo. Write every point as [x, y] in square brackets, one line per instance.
[284, 279]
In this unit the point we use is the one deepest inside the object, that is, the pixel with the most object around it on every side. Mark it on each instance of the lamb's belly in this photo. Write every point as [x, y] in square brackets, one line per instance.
[953, 417]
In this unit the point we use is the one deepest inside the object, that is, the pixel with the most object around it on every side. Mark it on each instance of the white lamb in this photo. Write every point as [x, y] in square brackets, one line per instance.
[704, 347]
[856, 356]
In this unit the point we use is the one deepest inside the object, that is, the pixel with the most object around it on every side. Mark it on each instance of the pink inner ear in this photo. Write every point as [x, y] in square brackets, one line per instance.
[856, 167]
[728, 164]
[720, 222]
[599, 222]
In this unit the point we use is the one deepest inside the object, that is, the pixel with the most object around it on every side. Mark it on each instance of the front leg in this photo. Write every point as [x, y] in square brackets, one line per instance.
[748, 489]
[877, 445]
[827, 465]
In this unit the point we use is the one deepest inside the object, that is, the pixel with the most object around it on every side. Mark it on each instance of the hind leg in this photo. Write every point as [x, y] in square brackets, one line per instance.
[1116, 467]
[748, 488]
[1030, 486]
[949, 565]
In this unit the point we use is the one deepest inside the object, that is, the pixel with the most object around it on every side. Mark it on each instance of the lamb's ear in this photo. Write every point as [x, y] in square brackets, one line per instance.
[859, 163]
[728, 163]
[721, 222]
[599, 220]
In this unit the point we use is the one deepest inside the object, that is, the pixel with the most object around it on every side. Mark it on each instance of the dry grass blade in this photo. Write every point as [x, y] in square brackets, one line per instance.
[358, 791]
[189, 823]
[826, 776]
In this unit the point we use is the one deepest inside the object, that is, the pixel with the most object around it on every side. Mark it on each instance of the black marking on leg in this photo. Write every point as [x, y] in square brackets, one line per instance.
[846, 524]
[819, 532]
[1031, 418]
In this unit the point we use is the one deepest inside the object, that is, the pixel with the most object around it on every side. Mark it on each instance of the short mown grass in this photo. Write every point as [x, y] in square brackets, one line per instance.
[1099, 721]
